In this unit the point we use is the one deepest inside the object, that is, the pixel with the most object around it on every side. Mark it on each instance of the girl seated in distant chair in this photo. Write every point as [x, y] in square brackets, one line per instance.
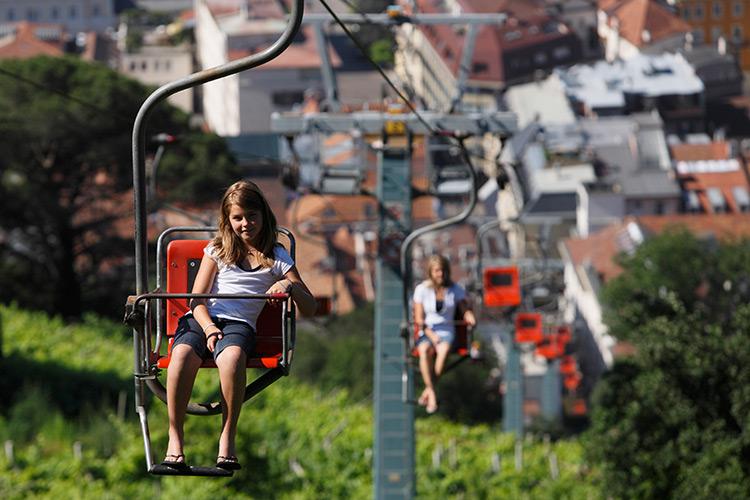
[436, 302]
[243, 258]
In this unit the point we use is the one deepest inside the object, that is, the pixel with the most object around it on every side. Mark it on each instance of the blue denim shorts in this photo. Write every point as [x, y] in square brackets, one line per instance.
[237, 333]
[444, 336]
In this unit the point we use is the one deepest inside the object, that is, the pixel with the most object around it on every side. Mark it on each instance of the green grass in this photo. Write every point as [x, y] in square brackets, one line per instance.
[63, 381]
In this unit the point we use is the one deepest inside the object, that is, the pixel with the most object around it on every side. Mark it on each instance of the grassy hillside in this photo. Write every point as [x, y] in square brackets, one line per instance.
[61, 387]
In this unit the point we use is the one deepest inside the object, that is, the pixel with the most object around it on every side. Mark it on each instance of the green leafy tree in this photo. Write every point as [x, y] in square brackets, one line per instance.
[66, 180]
[672, 421]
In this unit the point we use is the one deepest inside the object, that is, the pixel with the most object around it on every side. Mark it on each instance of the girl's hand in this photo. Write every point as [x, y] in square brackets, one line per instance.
[281, 286]
[470, 319]
[432, 336]
[212, 338]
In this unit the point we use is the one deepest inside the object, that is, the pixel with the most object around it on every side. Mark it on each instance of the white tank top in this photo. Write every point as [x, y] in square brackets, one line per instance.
[230, 278]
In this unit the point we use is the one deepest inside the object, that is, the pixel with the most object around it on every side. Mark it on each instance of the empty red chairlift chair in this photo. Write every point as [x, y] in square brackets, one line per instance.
[501, 287]
[529, 329]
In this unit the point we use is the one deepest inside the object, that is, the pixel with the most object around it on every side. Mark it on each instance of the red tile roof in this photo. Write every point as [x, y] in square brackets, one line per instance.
[524, 17]
[600, 248]
[692, 177]
[297, 56]
[24, 44]
[639, 16]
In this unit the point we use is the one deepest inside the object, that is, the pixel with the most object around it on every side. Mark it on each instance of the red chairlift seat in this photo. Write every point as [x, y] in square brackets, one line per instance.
[568, 365]
[529, 328]
[550, 347]
[572, 381]
[564, 334]
[501, 287]
[183, 260]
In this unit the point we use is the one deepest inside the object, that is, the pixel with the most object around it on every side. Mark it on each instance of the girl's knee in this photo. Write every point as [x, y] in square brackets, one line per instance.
[230, 355]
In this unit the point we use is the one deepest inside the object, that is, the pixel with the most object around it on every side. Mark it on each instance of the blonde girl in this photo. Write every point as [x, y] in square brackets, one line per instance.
[436, 302]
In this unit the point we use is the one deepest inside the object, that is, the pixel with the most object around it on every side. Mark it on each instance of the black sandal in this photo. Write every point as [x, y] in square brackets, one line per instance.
[174, 461]
[229, 462]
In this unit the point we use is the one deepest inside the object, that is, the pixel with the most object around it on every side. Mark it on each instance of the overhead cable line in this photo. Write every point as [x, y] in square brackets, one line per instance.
[380, 70]
[69, 97]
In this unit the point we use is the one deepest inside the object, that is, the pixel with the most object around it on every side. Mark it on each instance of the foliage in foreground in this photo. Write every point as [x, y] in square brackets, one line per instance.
[295, 440]
[673, 421]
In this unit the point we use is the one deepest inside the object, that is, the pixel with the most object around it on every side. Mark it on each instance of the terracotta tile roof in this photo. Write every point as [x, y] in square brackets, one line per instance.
[639, 16]
[525, 17]
[600, 248]
[24, 43]
[694, 152]
[693, 165]
[298, 55]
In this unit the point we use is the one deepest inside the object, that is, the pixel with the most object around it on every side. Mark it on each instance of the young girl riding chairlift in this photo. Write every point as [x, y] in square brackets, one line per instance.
[436, 302]
[244, 257]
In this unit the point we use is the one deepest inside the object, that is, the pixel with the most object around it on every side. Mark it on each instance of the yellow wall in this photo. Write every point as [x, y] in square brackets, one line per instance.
[726, 22]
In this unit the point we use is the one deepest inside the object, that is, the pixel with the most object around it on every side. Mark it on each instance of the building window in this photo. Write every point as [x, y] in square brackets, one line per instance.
[73, 12]
[132, 66]
[11, 14]
[685, 11]
[717, 10]
[737, 33]
[692, 202]
[30, 14]
[287, 98]
[741, 198]
[715, 33]
[699, 36]
[95, 10]
[716, 199]
[698, 12]
[54, 13]
[562, 52]
[737, 9]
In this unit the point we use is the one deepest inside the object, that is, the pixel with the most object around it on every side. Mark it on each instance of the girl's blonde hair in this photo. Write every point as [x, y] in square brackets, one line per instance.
[229, 246]
[445, 265]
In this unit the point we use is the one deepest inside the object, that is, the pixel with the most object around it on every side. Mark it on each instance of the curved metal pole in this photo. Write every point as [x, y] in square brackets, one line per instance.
[139, 130]
[411, 237]
[480, 234]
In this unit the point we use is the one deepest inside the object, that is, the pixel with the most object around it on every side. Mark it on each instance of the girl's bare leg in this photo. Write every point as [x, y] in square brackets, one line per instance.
[183, 368]
[232, 374]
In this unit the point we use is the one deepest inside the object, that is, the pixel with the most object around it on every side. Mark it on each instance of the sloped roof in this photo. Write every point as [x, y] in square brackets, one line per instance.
[23, 41]
[599, 249]
[637, 17]
[527, 21]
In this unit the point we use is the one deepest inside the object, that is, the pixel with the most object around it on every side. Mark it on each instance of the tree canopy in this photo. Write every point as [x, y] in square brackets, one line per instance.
[65, 181]
[672, 421]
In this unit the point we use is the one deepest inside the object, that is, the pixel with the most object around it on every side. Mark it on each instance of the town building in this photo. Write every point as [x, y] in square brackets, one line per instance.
[665, 83]
[529, 41]
[75, 15]
[713, 177]
[242, 103]
[719, 22]
[632, 27]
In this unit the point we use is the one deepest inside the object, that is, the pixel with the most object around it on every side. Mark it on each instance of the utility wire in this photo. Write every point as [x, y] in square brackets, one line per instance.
[69, 97]
[380, 70]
